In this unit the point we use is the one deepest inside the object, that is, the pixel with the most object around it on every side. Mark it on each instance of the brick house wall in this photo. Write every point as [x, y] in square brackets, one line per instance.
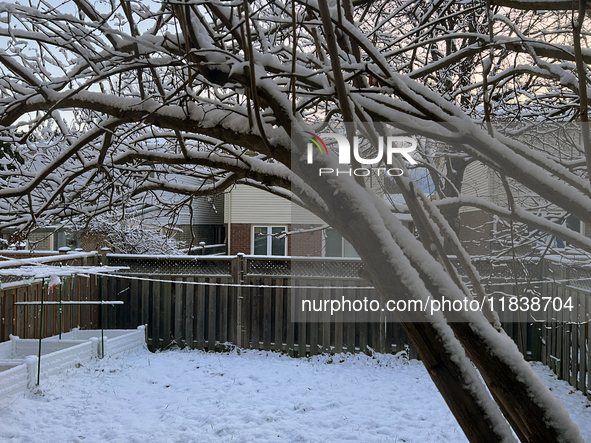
[239, 238]
[306, 244]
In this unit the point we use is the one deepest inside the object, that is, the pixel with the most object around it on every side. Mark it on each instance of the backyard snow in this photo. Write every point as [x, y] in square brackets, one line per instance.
[193, 396]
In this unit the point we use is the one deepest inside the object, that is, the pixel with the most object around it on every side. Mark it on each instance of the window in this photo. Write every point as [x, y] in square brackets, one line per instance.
[574, 224]
[265, 240]
[336, 246]
[219, 235]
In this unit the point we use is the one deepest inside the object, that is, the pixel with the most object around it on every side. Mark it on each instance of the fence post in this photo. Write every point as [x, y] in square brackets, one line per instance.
[102, 291]
[238, 278]
[543, 269]
[104, 258]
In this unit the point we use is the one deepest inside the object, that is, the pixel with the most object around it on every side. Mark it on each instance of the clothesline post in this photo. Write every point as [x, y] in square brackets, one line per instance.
[40, 331]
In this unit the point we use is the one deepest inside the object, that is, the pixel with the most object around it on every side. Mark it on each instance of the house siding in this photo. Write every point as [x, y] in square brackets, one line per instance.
[476, 232]
[205, 212]
[476, 182]
[246, 204]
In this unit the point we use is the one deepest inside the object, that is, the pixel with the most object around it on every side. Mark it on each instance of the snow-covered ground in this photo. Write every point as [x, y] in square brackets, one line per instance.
[193, 396]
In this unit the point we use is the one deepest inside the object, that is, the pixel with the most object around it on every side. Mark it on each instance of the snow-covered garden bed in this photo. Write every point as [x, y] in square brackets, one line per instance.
[56, 356]
[116, 341]
[15, 376]
[19, 357]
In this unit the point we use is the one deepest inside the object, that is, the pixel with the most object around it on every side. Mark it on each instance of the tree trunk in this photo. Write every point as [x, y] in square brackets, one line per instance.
[533, 413]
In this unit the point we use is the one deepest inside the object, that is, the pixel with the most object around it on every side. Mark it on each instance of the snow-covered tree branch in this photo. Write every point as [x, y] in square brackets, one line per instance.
[102, 104]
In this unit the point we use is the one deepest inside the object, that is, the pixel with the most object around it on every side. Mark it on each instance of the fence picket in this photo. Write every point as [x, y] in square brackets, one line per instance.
[256, 315]
[326, 323]
[581, 320]
[223, 313]
[574, 337]
[338, 332]
[267, 314]
[301, 328]
[246, 305]
[134, 304]
[289, 325]
[200, 313]
[179, 307]
[190, 314]
[313, 321]
[8, 317]
[211, 318]
[155, 309]
[234, 320]
[279, 294]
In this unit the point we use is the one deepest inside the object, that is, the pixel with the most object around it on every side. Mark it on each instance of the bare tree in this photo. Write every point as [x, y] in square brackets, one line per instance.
[104, 102]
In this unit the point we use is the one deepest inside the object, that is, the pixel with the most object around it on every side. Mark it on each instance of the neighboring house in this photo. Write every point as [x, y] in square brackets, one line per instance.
[482, 233]
[477, 227]
[45, 239]
[202, 223]
[255, 218]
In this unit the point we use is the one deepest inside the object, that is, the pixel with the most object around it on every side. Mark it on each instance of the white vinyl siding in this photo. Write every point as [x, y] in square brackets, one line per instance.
[477, 181]
[205, 212]
[246, 204]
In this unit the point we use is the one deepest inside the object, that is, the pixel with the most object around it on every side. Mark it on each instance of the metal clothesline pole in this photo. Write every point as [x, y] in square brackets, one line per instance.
[102, 319]
[60, 303]
[40, 331]
[60, 310]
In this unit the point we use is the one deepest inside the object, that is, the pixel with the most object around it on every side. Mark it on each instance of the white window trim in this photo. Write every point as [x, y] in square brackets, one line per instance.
[269, 244]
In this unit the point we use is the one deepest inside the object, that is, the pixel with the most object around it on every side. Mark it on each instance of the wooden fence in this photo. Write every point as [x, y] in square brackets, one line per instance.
[211, 312]
[241, 306]
[23, 320]
[566, 338]
[557, 333]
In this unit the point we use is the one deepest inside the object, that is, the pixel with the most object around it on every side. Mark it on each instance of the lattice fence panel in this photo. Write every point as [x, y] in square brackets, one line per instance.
[189, 266]
[304, 268]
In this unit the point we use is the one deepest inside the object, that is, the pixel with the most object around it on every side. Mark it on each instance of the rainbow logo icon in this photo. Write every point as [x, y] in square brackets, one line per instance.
[317, 141]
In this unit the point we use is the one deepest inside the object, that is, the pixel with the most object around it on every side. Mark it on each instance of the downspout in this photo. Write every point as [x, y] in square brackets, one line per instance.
[229, 212]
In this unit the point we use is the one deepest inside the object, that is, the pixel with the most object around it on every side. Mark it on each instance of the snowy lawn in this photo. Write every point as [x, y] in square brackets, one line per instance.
[193, 396]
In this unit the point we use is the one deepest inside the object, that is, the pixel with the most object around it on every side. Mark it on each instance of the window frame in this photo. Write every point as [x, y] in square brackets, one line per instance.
[324, 245]
[269, 240]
